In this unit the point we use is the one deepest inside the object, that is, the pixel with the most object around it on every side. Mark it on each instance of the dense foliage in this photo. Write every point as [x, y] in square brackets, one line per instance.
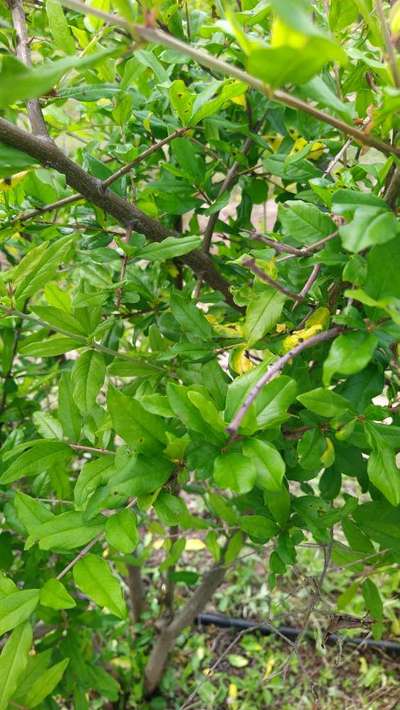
[199, 316]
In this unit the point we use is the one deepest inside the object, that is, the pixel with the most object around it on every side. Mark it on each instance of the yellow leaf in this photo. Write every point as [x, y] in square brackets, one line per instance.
[298, 336]
[232, 691]
[269, 666]
[328, 455]
[240, 100]
[239, 362]
[321, 317]
[193, 544]
[275, 140]
[9, 183]
[281, 327]
[317, 149]
[158, 544]
[395, 626]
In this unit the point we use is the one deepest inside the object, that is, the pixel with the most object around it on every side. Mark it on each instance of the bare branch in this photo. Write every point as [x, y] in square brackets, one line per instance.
[48, 154]
[251, 264]
[274, 370]
[282, 248]
[310, 282]
[22, 50]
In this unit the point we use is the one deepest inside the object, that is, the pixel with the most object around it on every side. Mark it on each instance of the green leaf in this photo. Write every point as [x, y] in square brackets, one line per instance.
[369, 226]
[372, 599]
[121, 531]
[304, 222]
[60, 318]
[47, 425]
[269, 464]
[59, 27]
[16, 608]
[40, 265]
[92, 475]
[31, 512]
[37, 459]
[68, 412]
[382, 276]
[93, 576]
[170, 509]
[324, 402]
[237, 661]
[13, 161]
[260, 529]
[283, 65]
[178, 398]
[262, 314]
[208, 410]
[19, 82]
[236, 472]
[384, 474]
[65, 531]
[13, 661]
[141, 430]
[347, 202]
[87, 379]
[54, 595]
[140, 475]
[181, 101]
[274, 400]
[205, 106]
[192, 321]
[50, 347]
[169, 248]
[135, 367]
[348, 354]
[43, 686]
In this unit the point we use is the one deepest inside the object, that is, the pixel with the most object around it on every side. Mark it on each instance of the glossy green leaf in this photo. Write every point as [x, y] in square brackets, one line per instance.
[87, 379]
[121, 531]
[93, 576]
[269, 464]
[13, 661]
[384, 474]
[59, 27]
[54, 595]
[348, 354]
[16, 608]
[140, 429]
[43, 686]
[236, 472]
[263, 312]
[324, 402]
[304, 222]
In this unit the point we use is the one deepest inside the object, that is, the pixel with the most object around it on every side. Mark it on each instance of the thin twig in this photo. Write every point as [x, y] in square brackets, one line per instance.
[283, 248]
[124, 264]
[22, 51]
[80, 555]
[251, 264]
[274, 370]
[337, 158]
[90, 449]
[309, 283]
[106, 183]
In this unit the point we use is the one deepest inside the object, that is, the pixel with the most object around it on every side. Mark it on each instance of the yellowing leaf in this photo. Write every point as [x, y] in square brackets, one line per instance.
[232, 691]
[269, 666]
[240, 363]
[298, 336]
[395, 18]
[10, 182]
[328, 455]
[239, 100]
[321, 317]
[194, 544]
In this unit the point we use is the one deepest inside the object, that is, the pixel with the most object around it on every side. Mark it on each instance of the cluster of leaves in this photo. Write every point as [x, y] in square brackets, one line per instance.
[125, 408]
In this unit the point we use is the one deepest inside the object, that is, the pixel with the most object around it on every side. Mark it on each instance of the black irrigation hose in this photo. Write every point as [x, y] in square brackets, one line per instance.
[228, 622]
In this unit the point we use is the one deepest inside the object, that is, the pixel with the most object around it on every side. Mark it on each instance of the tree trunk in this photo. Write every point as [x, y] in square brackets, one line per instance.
[136, 591]
[166, 640]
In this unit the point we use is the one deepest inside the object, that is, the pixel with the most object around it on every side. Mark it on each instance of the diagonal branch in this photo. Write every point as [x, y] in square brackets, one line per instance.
[48, 154]
[274, 370]
[251, 264]
[205, 59]
[22, 50]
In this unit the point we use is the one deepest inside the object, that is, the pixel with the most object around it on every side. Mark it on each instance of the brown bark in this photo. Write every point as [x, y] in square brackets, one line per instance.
[46, 152]
[166, 640]
[136, 591]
